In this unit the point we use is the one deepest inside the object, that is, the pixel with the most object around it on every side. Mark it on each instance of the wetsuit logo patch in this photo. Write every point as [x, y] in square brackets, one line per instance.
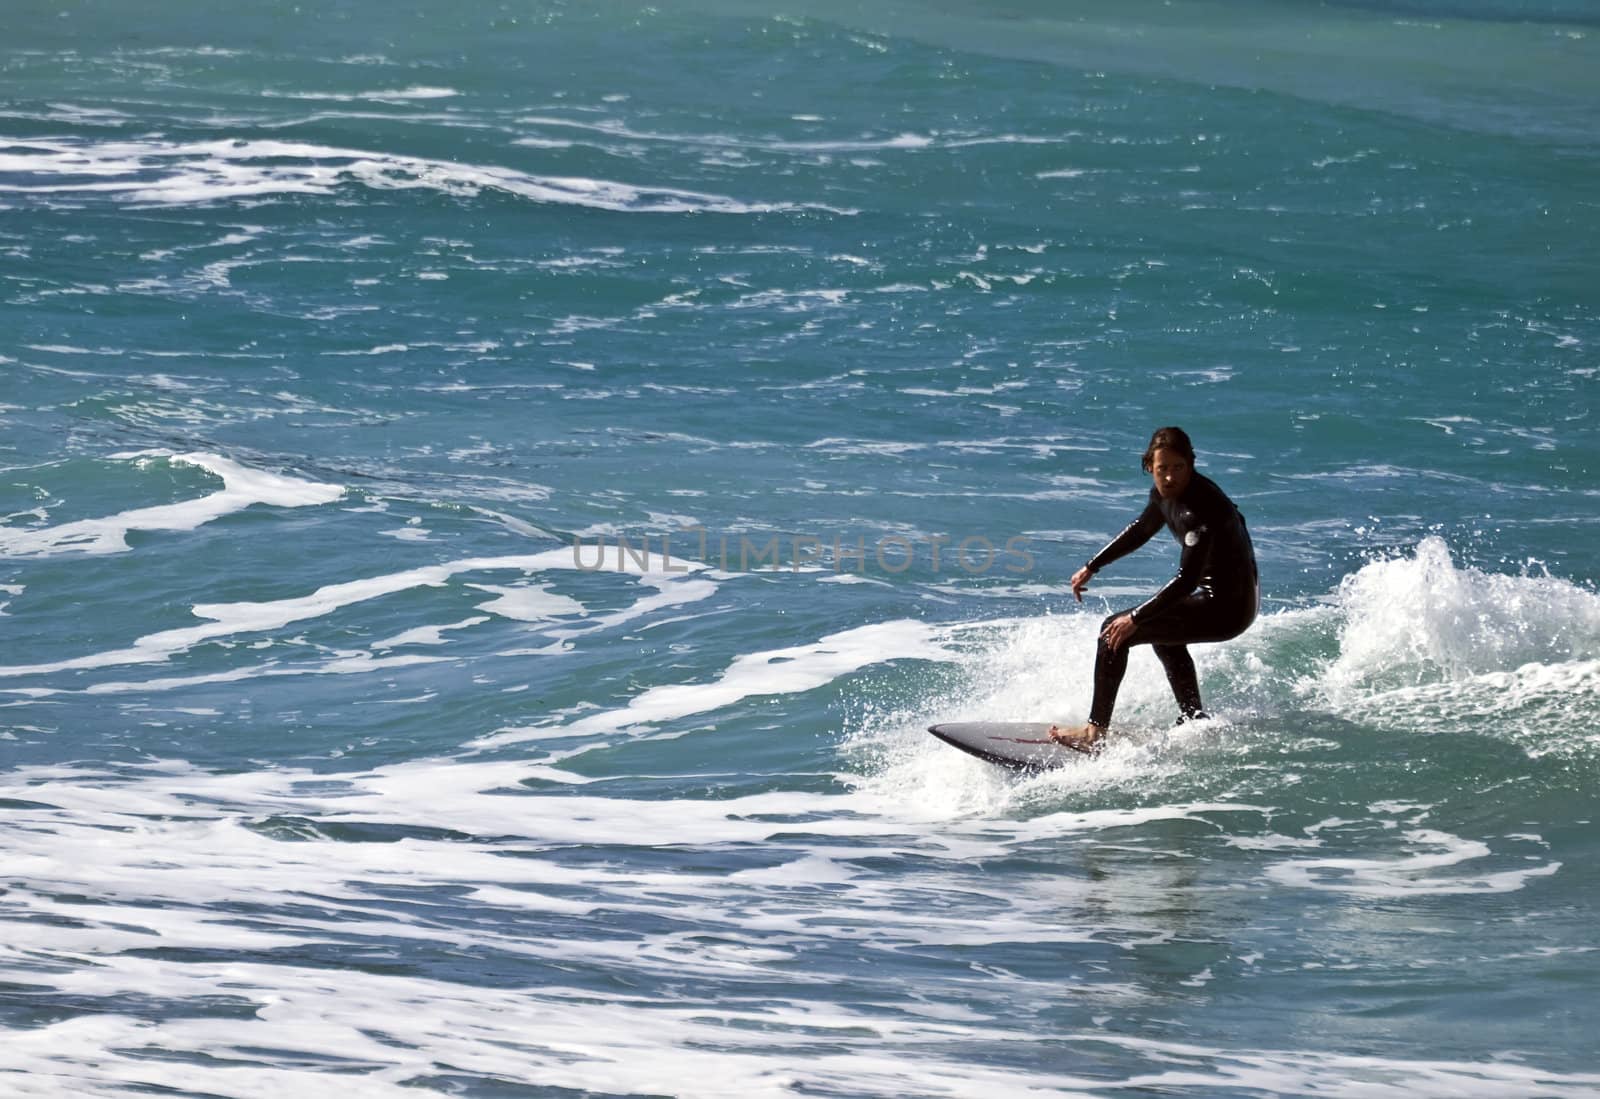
[1192, 539]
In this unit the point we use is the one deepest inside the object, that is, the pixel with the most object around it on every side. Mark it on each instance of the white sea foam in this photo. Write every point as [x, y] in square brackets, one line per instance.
[864, 446]
[359, 663]
[242, 488]
[670, 592]
[1413, 644]
[427, 635]
[529, 603]
[239, 865]
[1437, 863]
[614, 129]
[186, 173]
[1546, 709]
[570, 1038]
[396, 95]
[228, 619]
[174, 857]
[774, 672]
[1012, 669]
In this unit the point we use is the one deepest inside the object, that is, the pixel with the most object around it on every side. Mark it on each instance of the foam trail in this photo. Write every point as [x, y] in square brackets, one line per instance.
[531, 603]
[1413, 874]
[616, 130]
[774, 672]
[242, 487]
[1546, 708]
[173, 173]
[227, 619]
[421, 91]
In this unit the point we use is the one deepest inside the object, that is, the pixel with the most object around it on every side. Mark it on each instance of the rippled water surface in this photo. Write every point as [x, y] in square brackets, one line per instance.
[493, 496]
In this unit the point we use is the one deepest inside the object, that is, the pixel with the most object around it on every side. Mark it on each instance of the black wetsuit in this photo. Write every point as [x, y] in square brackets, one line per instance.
[1214, 596]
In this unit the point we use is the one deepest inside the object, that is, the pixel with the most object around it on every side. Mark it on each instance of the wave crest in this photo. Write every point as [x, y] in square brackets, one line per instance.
[1420, 620]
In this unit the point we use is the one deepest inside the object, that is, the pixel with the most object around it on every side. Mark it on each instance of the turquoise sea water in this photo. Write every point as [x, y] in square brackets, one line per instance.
[329, 765]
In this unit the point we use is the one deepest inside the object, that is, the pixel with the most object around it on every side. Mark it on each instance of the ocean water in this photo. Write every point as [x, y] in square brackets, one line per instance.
[493, 495]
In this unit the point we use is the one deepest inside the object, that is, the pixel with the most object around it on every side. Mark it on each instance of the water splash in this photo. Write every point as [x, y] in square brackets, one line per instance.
[1410, 645]
[1412, 621]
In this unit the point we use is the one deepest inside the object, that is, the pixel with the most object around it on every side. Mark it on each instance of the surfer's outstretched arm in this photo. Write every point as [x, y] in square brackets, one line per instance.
[1134, 535]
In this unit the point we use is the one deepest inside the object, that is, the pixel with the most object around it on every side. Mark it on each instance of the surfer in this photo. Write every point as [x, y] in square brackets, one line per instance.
[1214, 596]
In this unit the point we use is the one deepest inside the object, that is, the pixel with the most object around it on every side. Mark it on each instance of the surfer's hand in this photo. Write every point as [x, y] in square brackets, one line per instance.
[1120, 630]
[1080, 580]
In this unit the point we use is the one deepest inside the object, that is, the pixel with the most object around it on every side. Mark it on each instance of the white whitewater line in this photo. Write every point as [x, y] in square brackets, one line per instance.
[1408, 875]
[420, 91]
[227, 619]
[352, 664]
[207, 171]
[427, 635]
[387, 1032]
[724, 141]
[669, 593]
[242, 487]
[529, 603]
[773, 672]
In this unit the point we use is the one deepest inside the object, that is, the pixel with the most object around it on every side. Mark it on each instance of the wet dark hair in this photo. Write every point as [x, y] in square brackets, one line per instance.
[1168, 438]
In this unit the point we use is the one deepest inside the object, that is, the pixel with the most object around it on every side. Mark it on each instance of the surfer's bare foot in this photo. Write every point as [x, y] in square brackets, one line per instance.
[1080, 738]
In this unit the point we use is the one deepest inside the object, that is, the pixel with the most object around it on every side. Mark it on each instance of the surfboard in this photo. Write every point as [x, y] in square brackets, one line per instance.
[1019, 745]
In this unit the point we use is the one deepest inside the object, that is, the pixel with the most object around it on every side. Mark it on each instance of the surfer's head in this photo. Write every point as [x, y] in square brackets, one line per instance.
[1169, 459]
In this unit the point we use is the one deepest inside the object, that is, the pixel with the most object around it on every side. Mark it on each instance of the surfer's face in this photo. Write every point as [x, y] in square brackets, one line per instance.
[1171, 471]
